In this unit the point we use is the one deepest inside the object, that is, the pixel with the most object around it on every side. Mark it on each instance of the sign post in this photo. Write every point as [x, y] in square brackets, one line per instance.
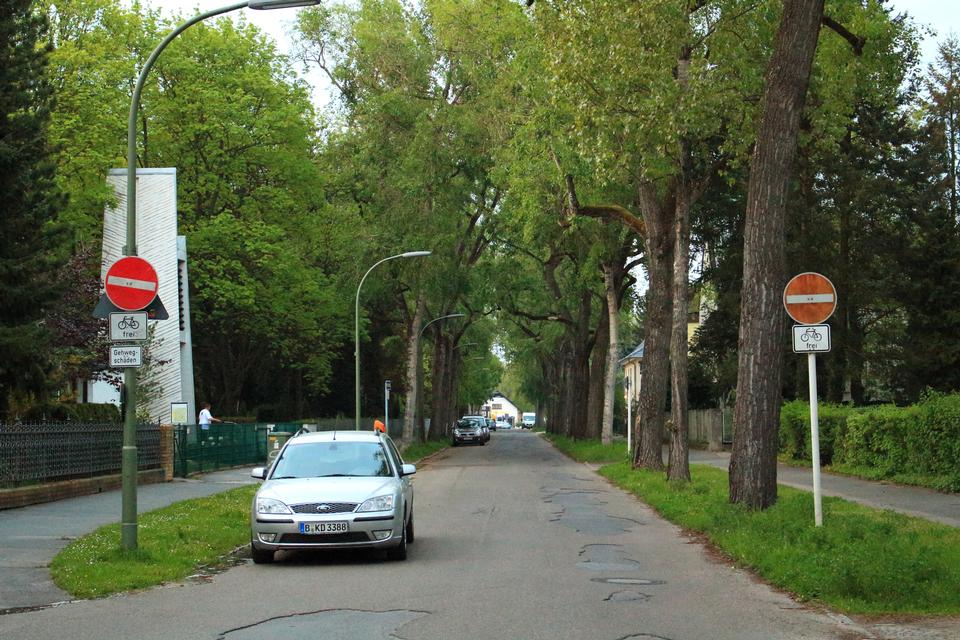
[131, 285]
[626, 389]
[386, 404]
[810, 299]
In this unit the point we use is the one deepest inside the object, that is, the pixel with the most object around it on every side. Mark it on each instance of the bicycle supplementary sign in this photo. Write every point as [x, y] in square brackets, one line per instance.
[810, 298]
[811, 338]
[131, 283]
[128, 326]
[128, 355]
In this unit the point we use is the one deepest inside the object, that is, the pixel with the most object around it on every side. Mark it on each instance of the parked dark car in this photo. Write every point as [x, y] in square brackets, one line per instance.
[467, 430]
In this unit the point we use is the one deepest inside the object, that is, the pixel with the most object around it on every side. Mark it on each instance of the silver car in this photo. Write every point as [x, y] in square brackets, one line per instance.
[334, 490]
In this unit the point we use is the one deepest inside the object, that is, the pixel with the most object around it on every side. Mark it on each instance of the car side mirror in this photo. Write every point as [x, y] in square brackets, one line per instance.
[259, 472]
[408, 469]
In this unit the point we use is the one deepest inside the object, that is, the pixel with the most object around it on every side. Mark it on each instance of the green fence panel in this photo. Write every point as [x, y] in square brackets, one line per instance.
[218, 446]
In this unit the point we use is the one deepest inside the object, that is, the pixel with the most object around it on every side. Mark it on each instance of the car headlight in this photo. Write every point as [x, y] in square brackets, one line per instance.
[380, 503]
[269, 505]
[456, 432]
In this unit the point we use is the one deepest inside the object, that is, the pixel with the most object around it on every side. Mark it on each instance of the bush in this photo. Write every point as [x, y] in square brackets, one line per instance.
[795, 429]
[922, 439]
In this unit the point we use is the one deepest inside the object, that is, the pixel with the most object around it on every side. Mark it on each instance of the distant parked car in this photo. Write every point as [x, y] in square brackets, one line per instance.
[468, 430]
[484, 425]
[491, 424]
[503, 425]
[334, 490]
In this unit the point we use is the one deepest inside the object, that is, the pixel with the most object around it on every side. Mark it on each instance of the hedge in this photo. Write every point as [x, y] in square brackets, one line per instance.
[65, 411]
[795, 429]
[919, 440]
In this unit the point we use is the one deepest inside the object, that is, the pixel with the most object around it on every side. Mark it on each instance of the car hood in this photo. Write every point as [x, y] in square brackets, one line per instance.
[305, 490]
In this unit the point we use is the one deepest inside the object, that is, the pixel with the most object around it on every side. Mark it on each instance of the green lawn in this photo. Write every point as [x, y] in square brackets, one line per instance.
[589, 450]
[416, 451]
[173, 543]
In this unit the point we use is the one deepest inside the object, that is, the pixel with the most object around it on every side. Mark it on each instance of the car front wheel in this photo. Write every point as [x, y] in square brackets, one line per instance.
[399, 552]
[261, 556]
[410, 530]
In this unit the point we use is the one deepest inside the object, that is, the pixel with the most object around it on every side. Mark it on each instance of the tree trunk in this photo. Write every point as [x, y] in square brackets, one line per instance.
[655, 365]
[610, 381]
[413, 369]
[598, 367]
[753, 462]
[678, 467]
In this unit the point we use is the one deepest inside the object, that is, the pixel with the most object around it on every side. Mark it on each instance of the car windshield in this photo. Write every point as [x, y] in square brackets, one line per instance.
[332, 459]
[466, 424]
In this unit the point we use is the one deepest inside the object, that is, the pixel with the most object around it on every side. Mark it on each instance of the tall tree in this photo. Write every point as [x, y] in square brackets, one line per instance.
[753, 463]
[28, 245]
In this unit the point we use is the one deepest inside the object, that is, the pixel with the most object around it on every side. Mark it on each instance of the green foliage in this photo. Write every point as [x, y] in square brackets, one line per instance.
[861, 561]
[29, 238]
[174, 542]
[919, 440]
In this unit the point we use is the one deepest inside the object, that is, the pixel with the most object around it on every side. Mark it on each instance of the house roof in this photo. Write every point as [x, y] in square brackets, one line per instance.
[636, 354]
[497, 394]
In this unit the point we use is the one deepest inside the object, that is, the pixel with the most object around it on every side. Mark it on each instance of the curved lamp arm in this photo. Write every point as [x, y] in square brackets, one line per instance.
[356, 330]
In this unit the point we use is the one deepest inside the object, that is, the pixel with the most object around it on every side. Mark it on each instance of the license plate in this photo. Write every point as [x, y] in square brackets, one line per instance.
[320, 528]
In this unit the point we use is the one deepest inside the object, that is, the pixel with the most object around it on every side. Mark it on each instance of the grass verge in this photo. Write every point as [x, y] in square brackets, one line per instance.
[861, 561]
[589, 450]
[417, 451]
[174, 542]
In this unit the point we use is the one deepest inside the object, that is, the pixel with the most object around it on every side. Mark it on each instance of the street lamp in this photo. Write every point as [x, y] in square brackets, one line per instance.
[128, 461]
[356, 330]
[416, 399]
[452, 315]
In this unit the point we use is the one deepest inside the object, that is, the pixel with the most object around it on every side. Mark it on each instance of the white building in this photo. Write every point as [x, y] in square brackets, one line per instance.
[501, 406]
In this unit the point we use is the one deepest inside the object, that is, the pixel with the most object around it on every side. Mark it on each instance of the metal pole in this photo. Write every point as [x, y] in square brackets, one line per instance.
[629, 416]
[815, 438]
[128, 468]
[386, 407]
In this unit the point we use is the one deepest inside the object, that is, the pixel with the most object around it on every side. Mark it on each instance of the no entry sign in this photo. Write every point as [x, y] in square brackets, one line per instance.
[810, 298]
[131, 283]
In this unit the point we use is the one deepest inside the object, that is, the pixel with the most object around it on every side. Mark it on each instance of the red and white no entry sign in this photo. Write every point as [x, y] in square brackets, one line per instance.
[810, 298]
[131, 283]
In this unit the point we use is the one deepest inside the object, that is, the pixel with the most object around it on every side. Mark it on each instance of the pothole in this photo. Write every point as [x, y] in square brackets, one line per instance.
[606, 557]
[582, 512]
[333, 624]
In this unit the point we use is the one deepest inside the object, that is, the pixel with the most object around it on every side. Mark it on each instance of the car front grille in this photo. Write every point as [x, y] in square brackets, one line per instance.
[334, 538]
[333, 507]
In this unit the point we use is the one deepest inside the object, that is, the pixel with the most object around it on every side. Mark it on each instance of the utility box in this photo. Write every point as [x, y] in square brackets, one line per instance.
[275, 442]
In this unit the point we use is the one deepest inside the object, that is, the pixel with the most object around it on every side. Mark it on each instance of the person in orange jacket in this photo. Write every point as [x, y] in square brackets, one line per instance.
[379, 426]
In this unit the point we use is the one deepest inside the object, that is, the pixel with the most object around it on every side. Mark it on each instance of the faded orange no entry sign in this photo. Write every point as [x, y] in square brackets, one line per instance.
[810, 298]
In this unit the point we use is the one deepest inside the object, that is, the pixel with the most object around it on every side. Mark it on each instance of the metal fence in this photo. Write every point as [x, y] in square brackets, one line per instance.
[48, 452]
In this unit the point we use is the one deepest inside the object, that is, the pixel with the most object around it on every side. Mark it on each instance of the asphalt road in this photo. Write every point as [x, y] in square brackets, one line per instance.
[514, 541]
